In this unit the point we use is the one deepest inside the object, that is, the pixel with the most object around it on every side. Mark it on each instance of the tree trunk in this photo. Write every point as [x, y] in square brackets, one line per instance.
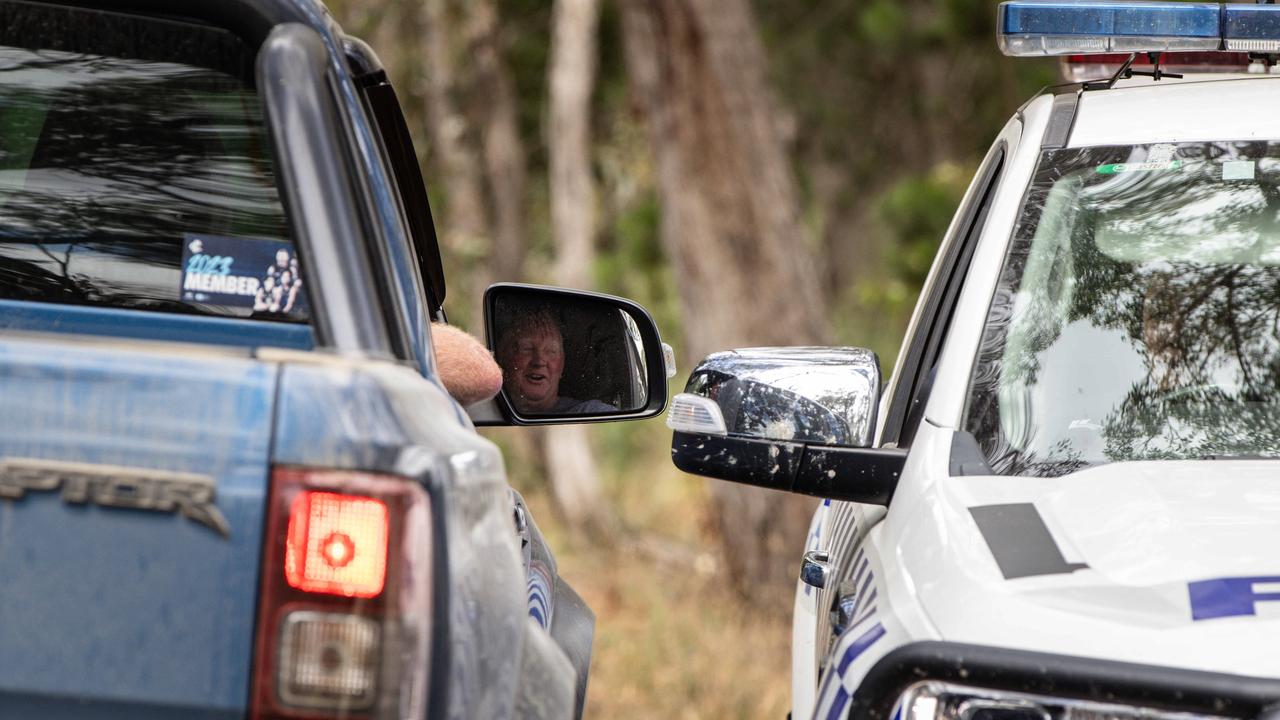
[465, 227]
[504, 157]
[571, 466]
[731, 225]
[477, 142]
[571, 77]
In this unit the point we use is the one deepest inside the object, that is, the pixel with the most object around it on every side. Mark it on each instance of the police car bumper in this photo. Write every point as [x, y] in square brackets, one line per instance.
[953, 681]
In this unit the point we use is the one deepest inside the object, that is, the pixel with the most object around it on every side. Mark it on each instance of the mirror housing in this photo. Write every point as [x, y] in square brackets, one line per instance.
[571, 356]
[798, 419]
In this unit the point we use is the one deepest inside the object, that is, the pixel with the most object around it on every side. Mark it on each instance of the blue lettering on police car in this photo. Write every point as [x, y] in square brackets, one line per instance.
[1230, 597]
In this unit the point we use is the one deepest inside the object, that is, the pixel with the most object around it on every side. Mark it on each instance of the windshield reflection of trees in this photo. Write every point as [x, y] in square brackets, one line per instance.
[1205, 322]
[108, 164]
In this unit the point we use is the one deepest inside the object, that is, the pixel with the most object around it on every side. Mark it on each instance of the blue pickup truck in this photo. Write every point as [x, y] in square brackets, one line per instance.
[231, 481]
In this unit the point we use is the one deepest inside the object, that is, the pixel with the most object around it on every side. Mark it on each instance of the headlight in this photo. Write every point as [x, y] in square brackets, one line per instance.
[940, 701]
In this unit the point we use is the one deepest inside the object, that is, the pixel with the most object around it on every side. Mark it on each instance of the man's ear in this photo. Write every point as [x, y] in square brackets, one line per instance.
[466, 368]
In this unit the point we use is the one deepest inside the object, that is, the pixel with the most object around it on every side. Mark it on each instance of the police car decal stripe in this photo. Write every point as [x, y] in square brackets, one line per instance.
[834, 698]
[539, 594]
[863, 632]
[866, 581]
[864, 608]
[840, 531]
[1020, 541]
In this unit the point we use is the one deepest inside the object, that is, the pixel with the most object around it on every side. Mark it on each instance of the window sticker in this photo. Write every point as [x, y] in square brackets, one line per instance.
[1117, 168]
[260, 277]
[1238, 170]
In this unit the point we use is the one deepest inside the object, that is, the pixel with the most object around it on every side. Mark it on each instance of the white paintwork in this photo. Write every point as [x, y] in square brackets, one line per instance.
[1145, 530]
[1238, 109]
[804, 627]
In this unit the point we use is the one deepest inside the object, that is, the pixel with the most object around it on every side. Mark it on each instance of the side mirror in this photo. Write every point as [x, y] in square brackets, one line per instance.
[573, 356]
[796, 419]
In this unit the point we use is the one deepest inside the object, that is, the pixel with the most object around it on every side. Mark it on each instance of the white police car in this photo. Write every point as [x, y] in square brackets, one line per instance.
[1065, 503]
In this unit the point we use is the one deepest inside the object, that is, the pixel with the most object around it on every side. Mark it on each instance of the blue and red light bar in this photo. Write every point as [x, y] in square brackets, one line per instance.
[1074, 27]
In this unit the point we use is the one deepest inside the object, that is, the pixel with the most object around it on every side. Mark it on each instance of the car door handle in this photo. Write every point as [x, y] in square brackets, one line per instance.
[815, 568]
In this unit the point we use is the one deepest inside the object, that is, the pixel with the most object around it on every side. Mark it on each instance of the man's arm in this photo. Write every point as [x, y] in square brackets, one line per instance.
[466, 368]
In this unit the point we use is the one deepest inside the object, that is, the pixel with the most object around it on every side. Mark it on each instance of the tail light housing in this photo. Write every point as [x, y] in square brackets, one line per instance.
[344, 607]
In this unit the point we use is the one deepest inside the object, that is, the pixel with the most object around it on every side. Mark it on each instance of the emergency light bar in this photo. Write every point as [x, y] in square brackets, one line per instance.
[1075, 27]
[1245, 28]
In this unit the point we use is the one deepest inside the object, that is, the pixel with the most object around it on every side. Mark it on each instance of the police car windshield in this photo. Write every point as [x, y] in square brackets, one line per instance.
[1137, 316]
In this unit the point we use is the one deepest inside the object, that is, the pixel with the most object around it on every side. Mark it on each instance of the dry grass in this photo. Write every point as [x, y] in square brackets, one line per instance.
[672, 640]
[673, 646]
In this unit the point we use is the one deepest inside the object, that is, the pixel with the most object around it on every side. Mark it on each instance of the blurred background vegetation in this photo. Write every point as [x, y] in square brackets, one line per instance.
[880, 109]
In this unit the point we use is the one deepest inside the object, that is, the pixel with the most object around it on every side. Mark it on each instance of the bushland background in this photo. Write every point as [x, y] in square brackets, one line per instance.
[755, 172]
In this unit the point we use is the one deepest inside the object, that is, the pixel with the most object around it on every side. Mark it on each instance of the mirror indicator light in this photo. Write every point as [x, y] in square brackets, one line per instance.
[691, 413]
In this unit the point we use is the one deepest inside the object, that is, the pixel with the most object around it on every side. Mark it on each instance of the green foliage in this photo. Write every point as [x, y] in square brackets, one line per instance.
[916, 212]
[965, 19]
[911, 217]
[884, 23]
[894, 102]
[632, 263]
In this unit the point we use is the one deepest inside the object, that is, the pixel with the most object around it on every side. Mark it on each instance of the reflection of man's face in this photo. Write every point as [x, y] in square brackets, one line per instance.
[531, 371]
[282, 258]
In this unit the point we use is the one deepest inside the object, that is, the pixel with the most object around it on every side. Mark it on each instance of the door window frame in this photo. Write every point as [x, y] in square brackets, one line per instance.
[913, 381]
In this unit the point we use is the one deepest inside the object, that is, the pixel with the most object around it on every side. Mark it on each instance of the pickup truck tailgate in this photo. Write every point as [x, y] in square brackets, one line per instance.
[125, 591]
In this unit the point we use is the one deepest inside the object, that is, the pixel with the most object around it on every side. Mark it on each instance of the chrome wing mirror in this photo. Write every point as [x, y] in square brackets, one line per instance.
[799, 419]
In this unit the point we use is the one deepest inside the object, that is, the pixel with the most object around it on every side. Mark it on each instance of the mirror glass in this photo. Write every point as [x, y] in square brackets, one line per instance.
[568, 355]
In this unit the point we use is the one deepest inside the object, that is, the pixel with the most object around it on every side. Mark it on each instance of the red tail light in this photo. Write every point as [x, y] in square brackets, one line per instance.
[336, 544]
[345, 586]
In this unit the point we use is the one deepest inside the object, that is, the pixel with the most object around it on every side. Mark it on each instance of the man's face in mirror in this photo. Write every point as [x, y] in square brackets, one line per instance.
[532, 363]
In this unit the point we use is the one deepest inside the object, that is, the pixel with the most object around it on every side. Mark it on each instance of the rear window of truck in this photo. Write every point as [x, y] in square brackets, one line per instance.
[136, 170]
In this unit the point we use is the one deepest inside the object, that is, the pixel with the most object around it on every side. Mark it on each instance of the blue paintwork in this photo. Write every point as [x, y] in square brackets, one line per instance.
[123, 612]
[387, 418]
[333, 417]
[145, 325]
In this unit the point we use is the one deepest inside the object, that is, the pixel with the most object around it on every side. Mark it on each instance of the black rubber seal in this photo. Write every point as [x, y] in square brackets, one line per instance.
[1060, 676]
